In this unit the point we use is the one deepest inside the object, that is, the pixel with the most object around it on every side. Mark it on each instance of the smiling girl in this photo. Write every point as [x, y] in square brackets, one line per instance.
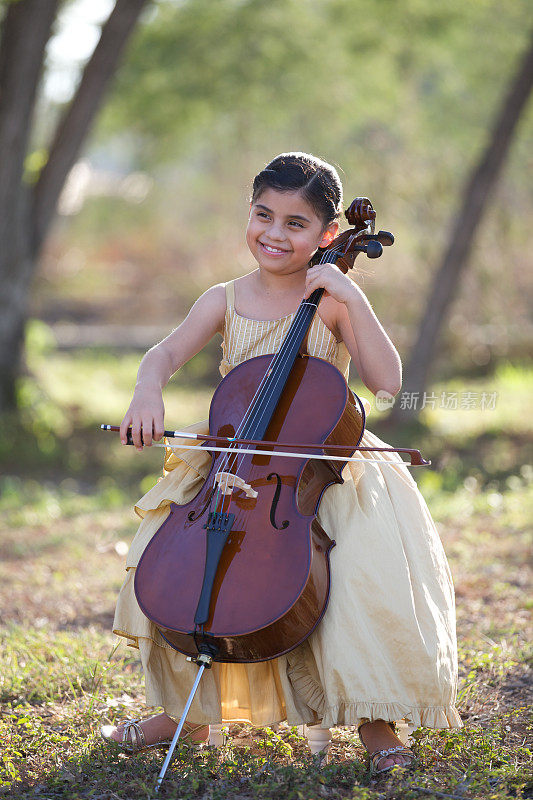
[385, 649]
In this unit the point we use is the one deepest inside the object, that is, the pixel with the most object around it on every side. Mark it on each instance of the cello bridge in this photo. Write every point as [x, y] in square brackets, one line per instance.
[227, 481]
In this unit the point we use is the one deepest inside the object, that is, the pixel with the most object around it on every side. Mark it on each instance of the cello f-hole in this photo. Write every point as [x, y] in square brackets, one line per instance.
[285, 523]
[192, 516]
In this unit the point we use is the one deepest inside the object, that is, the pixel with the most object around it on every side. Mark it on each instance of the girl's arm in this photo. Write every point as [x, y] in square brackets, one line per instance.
[146, 410]
[374, 355]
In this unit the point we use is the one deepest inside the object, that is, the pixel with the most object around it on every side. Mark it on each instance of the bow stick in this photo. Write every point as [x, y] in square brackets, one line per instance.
[415, 455]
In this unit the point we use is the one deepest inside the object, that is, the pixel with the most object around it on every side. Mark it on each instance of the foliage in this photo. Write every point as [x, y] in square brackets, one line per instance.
[287, 65]
[401, 98]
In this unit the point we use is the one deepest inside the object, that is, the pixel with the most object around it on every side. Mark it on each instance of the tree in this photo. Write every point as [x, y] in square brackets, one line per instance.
[455, 259]
[26, 210]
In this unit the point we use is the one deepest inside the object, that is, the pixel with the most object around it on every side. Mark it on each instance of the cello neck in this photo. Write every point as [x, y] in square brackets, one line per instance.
[265, 403]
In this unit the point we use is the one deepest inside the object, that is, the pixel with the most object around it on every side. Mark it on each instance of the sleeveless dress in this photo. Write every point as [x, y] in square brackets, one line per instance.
[386, 647]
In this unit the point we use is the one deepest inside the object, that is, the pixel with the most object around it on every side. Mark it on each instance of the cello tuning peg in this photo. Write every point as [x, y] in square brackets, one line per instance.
[373, 248]
[386, 238]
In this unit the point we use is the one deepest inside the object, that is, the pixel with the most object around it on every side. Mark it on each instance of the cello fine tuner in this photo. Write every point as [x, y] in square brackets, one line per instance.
[202, 660]
[227, 481]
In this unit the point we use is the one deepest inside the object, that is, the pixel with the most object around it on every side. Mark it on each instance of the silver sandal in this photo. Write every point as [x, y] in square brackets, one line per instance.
[134, 740]
[378, 755]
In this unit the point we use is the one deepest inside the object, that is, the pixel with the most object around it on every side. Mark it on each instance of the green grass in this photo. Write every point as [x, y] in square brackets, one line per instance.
[66, 520]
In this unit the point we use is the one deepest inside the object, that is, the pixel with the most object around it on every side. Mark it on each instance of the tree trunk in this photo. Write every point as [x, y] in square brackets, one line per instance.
[73, 129]
[25, 212]
[455, 259]
[25, 30]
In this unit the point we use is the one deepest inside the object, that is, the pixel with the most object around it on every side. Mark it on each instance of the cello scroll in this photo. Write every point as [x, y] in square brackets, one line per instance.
[360, 238]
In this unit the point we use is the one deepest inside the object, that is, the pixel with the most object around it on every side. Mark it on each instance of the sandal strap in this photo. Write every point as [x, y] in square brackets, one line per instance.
[190, 729]
[133, 735]
[377, 755]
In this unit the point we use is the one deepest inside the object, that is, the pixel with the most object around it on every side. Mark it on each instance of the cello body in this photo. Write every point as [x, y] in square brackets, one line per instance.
[251, 581]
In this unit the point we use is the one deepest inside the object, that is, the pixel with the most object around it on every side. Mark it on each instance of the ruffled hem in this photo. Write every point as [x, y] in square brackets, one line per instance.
[353, 714]
[308, 689]
[416, 717]
[304, 685]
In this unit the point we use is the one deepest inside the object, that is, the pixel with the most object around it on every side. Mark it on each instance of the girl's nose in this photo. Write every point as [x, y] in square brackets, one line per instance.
[276, 232]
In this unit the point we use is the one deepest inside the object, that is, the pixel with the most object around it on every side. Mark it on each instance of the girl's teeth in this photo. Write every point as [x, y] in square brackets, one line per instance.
[272, 249]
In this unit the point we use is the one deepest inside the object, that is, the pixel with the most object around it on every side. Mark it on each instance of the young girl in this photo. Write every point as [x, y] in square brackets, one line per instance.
[385, 649]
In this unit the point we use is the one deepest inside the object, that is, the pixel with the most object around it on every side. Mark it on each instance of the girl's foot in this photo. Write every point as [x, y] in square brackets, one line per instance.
[136, 735]
[379, 739]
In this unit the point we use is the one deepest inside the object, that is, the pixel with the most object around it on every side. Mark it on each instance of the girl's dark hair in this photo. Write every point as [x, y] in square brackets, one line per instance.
[317, 181]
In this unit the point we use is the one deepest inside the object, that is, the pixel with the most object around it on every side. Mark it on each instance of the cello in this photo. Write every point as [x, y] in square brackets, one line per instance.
[241, 572]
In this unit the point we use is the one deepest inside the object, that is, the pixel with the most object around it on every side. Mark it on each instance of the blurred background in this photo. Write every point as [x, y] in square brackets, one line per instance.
[130, 133]
[125, 188]
[152, 192]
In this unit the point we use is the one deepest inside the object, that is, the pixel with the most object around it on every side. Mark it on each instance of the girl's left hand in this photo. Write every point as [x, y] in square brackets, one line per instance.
[329, 277]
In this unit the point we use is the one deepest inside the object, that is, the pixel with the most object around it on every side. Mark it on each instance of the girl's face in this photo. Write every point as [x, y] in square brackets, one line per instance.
[284, 231]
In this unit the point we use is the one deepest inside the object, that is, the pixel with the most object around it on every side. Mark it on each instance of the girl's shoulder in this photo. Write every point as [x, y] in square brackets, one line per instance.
[210, 309]
[213, 300]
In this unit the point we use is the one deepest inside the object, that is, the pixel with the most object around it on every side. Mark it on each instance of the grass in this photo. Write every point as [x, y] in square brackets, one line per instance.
[65, 525]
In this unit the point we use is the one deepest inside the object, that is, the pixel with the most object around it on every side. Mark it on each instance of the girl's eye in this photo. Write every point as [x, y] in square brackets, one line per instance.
[295, 223]
[262, 214]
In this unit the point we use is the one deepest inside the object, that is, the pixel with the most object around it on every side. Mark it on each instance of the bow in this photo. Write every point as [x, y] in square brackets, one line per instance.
[416, 459]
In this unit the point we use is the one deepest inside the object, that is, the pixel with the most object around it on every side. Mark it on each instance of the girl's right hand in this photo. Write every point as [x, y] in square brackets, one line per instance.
[146, 416]
[146, 413]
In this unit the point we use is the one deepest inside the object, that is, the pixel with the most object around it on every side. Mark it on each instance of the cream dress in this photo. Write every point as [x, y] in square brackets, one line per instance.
[386, 646]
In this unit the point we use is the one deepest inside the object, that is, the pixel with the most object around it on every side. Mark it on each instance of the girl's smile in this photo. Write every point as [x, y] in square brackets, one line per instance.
[284, 231]
[272, 251]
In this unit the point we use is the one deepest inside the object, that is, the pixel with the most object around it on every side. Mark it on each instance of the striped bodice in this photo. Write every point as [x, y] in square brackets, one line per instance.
[246, 338]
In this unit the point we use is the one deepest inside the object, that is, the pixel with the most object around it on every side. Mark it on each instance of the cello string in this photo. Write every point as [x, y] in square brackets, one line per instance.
[248, 416]
[296, 329]
[250, 411]
[293, 332]
[225, 462]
